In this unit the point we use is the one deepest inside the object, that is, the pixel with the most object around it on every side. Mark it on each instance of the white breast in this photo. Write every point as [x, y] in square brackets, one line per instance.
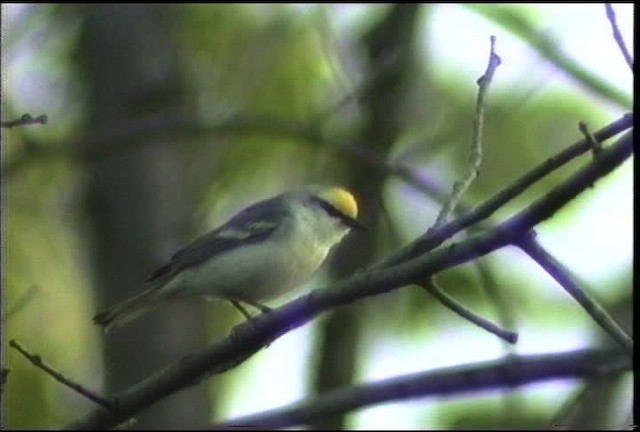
[264, 271]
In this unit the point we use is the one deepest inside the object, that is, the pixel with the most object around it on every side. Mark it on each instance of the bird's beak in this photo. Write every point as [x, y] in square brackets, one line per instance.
[354, 223]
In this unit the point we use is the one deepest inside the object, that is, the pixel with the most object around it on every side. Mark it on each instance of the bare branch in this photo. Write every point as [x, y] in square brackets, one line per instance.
[502, 374]
[460, 187]
[248, 338]
[475, 157]
[25, 120]
[432, 288]
[434, 238]
[37, 361]
[611, 16]
[563, 276]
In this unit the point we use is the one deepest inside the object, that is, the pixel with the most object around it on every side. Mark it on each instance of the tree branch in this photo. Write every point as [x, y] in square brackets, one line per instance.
[25, 120]
[37, 361]
[503, 374]
[563, 276]
[248, 338]
[433, 239]
[432, 288]
[475, 157]
[596, 146]
[611, 16]
[459, 188]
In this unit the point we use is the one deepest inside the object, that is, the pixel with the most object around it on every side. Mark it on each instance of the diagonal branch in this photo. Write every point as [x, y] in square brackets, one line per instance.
[433, 239]
[431, 286]
[502, 374]
[563, 276]
[611, 16]
[248, 338]
[37, 361]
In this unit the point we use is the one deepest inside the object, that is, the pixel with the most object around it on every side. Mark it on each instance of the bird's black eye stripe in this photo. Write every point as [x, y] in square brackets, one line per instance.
[331, 210]
[334, 212]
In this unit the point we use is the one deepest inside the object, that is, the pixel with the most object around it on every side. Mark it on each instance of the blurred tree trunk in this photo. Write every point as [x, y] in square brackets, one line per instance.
[136, 202]
[389, 49]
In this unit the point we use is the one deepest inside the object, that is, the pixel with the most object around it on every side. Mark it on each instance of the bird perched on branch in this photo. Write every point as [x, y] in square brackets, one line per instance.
[262, 252]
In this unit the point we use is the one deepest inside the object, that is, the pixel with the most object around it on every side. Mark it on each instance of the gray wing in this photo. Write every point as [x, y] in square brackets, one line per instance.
[253, 224]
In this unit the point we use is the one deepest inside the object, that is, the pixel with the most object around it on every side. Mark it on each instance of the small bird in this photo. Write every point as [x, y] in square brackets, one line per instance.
[262, 252]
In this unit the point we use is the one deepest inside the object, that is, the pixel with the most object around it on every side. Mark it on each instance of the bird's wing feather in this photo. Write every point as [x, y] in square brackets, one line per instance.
[253, 224]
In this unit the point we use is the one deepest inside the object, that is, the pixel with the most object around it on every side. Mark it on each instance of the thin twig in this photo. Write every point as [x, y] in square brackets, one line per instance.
[460, 187]
[499, 300]
[596, 146]
[434, 238]
[37, 361]
[475, 157]
[611, 16]
[26, 119]
[432, 288]
[492, 375]
[563, 276]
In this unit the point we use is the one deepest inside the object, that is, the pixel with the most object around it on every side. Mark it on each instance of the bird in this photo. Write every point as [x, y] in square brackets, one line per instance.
[262, 252]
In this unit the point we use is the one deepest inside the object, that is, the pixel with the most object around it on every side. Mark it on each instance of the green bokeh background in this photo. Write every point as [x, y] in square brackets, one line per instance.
[268, 76]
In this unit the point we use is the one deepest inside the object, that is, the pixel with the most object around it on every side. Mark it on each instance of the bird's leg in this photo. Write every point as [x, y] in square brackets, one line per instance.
[242, 310]
[261, 307]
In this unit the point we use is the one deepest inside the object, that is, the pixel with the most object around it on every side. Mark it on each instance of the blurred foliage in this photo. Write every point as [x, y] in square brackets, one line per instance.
[287, 63]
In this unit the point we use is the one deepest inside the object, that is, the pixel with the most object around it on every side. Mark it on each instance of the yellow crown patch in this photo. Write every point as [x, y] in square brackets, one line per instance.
[342, 200]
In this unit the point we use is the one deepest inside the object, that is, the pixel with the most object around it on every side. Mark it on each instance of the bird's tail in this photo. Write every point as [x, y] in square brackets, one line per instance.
[128, 310]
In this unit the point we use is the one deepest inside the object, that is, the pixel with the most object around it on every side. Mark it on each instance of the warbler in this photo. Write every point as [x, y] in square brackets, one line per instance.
[262, 252]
